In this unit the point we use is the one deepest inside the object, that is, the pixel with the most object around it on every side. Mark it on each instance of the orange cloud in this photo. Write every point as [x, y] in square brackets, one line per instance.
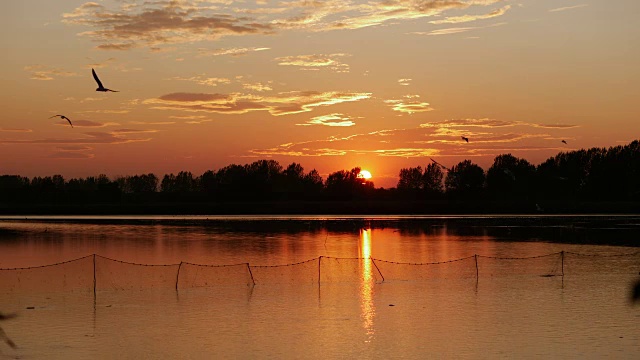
[91, 138]
[469, 18]
[236, 103]
[43, 72]
[310, 62]
[330, 120]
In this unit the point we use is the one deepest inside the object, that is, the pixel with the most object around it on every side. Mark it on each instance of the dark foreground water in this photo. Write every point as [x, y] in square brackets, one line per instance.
[321, 287]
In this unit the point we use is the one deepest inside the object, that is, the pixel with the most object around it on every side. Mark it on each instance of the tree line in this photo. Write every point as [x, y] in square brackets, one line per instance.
[596, 174]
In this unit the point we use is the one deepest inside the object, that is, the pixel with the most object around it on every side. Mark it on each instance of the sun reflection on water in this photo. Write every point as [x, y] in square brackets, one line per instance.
[366, 293]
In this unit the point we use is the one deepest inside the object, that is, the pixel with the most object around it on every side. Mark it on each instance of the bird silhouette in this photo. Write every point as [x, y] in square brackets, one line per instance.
[437, 163]
[4, 336]
[100, 87]
[62, 117]
[465, 138]
[564, 141]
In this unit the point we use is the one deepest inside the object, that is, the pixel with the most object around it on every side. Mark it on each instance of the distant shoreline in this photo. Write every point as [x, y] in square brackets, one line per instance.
[356, 207]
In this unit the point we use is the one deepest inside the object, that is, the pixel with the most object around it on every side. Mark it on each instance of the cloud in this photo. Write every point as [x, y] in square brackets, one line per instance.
[409, 107]
[71, 155]
[455, 30]
[335, 119]
[90, 138]
[404, 82]
[230, 52]
[491, 123]
[196, 122]
[87, 123]
[316, 61]
[235, 103]
[155, 23]
[257, 86]
[202, 80]
[487, 138]
[132, 131]
[469, 18]
[43, 72]
[74, 148]
[120, 46]
[3, 129]
[568, 7]
[153, 122]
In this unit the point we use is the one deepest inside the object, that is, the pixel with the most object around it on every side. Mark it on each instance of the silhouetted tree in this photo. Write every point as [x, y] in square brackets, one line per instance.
[510, 178]
[410, 180]
[432, 180]
[465, 179]
[14, 188]
[313, 184]
[347, 185]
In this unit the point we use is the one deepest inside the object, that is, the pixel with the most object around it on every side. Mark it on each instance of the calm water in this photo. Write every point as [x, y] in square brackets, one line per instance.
[507, 309]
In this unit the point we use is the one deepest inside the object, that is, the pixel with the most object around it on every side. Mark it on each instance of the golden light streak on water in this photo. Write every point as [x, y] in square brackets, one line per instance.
[366, 294]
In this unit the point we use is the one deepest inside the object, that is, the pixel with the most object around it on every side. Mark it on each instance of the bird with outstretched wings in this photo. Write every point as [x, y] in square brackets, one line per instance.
[62, 117]
[100, 87]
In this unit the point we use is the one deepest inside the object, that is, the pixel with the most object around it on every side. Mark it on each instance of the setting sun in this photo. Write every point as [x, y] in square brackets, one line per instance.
[364, 174]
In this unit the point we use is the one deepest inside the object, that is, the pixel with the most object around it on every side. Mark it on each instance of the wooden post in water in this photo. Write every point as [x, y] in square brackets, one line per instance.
[319, 260]
[253, 281]
[178, 275]
[562, 257]
[379, 272]
[94, 278]
[476, 257]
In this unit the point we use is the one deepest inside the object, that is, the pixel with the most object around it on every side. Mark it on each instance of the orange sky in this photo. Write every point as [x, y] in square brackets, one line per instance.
[329, 84]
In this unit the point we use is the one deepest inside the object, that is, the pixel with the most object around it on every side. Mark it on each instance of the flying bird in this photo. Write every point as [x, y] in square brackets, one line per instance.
[564, 141]
[62, 117]
[465, 138]
[437, 163]
[100, 87]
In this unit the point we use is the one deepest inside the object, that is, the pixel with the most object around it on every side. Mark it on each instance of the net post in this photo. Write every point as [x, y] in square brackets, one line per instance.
[379, 272]
[94, 277]
[253, 281]
[319, 260]
[562, 258]
[475, 256]
[178, 275]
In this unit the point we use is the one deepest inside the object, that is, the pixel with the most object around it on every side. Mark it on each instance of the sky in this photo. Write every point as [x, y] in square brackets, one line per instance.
[332, 85]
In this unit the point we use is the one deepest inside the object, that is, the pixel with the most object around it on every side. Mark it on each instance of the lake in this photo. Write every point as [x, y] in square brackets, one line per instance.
[311, 287]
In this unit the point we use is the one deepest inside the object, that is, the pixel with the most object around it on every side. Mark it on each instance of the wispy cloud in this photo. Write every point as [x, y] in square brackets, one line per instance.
[202, 80]
[87, 123]
[469, 18]
[335, 119]
[90, 138]
[491, 123]
[568, 7]
[43, 72]
[283, 103]
[487, 138]
[409, 106]
[455, 30]
[404, 82]
[156, 23]
[230, 52]
[257, 86]
[315, 61]
[70, 155]
[3, 129]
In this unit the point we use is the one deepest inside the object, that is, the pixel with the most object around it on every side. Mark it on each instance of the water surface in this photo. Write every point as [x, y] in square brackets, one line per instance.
[503, 308]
